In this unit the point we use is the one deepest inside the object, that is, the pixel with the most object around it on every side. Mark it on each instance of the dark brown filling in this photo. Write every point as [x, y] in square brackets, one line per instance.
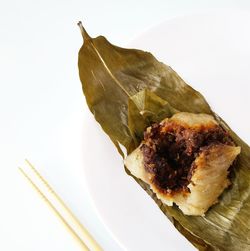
[169, 151]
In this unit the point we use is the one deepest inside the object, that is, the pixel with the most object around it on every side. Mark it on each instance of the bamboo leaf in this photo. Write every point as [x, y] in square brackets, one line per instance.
[127, 90]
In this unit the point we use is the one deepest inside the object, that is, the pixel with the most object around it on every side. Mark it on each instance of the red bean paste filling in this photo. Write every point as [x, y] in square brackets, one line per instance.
[169, 151]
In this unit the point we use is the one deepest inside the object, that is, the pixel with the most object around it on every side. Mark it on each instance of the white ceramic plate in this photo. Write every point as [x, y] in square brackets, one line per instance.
[211, 51]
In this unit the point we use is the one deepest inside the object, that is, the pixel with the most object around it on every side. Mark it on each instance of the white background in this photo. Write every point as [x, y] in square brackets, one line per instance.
[39, 42]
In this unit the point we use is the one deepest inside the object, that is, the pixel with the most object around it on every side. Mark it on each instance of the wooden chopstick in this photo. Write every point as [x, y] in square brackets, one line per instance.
[63, 212]
[74, 234]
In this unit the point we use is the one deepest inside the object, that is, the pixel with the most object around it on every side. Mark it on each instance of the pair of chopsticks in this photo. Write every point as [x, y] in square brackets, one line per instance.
[52, 199]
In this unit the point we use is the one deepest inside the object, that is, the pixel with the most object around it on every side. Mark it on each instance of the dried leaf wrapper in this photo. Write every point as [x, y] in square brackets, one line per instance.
[127, 90]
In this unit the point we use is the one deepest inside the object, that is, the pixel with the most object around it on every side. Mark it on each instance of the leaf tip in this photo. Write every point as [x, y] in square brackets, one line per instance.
[84, 33]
